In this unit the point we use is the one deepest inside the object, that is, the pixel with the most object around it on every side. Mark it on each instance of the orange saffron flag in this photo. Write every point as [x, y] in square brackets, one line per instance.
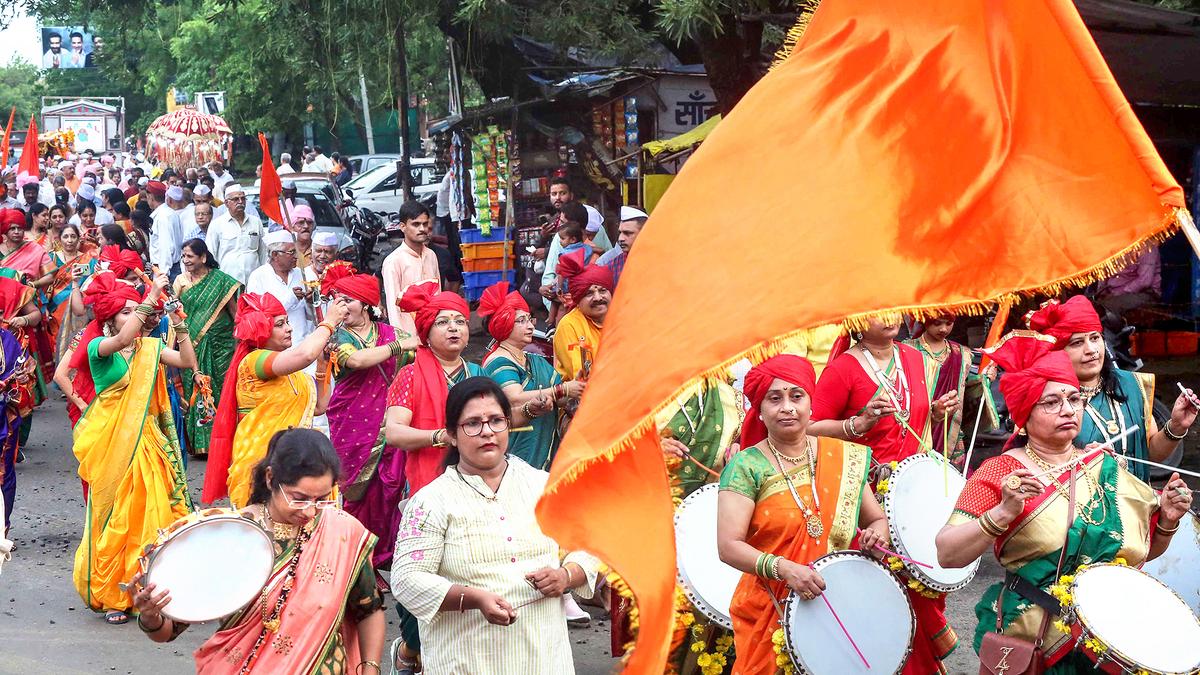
[28, 165]
[906, 157]
[270, 187]
[7, 135]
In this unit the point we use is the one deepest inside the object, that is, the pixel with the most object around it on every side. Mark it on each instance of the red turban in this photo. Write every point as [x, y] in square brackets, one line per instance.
[502, 306]
[10, 218]
[157, 188]
[1061, 320]
[255, 321]
[340, 277]
[580, 276]
[1029, 362]
[108, 296]
[787, 367]
[424, 302]
[120, 260]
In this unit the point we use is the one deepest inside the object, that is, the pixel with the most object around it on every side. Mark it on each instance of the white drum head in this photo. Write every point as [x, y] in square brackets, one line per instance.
[1138, 617]
[212, 567]
[874, 609]
[920, 498]
[1179, 566]
[707, 582]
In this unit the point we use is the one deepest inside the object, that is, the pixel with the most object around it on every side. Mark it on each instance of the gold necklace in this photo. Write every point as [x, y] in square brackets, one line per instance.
[812, 518]
[941, 356]
[280, 531]
[1093, 484]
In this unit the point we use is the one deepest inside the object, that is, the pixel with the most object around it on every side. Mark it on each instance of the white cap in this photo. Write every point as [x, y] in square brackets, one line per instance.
[278, 237]
[143, 181]
[324, 238]
[595, 220]
[234, 189]
[631, 213]
[86, 192]
[201, 191]
[175, 193]
[289, 185]
[88, 180]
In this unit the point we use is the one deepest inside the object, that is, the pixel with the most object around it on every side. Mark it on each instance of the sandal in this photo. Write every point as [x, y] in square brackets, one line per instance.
[115, 618]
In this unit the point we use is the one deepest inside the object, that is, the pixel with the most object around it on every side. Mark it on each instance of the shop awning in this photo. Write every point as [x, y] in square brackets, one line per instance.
[683, 141]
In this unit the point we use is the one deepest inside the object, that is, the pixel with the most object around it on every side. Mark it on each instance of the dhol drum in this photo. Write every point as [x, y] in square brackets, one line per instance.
[213, 562]
[1179, 566]
[1127, 622]
[871, 605]
[706, 581]
[920, 497]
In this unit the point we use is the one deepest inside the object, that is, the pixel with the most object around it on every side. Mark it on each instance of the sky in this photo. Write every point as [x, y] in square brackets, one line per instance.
[22, 39]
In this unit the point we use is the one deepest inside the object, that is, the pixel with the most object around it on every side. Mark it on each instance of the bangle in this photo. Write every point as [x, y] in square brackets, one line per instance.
[990, 527]
[1167, 532]
[433, 439]
[162, 621]
[1172, 435]
[362, 664]
[851, 428]
[774, 570]
[570, 581]
[461, 596]
[396, 347]
[145, 309]
[325, 324]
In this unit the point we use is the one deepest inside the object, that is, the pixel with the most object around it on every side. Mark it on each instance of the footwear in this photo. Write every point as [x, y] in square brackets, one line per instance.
[575, 614]
[115, 618]
[399, 664]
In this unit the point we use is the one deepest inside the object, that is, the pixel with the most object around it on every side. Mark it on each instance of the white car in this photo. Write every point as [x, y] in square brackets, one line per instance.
[379, 191]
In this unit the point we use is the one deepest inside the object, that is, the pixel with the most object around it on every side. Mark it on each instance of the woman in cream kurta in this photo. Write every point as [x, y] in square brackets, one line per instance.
[458, 532]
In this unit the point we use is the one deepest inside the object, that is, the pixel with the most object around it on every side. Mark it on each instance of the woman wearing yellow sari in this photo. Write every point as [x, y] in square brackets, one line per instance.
[320, 611]
[265, 391]
[787, 499]
[126, 444]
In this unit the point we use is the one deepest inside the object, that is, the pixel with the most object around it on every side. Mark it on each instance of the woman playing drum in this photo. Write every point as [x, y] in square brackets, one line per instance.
[128, 451]
[1017, 503]
[320, 611]
[787, 499]
[876, 394]
[1115, 399]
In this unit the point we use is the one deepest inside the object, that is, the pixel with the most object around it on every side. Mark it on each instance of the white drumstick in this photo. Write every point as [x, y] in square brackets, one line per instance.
[1162, 466]
[1191, 398]
[975, 431]
[1108, 445]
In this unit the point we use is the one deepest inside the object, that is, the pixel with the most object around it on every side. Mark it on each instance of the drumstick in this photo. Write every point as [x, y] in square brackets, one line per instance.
[1108, 445]
[975, 431]
[843, 627]
[897, 555]
[946, 452]
[701, 465]
[1190, 398]
[1160, 466]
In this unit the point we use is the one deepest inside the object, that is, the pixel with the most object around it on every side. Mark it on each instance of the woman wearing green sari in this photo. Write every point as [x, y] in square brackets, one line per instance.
[529, 381]
[207, 295]
[1020, 503]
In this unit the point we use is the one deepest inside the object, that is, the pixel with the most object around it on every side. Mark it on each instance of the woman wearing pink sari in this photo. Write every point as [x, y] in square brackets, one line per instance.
[320, 611]
[369, 354]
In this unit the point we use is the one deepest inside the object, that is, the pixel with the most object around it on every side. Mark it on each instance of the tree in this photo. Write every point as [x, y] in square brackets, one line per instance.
[21, 86]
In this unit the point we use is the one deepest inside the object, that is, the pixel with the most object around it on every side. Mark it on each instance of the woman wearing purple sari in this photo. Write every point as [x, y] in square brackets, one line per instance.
[369, 354]
[11, 353]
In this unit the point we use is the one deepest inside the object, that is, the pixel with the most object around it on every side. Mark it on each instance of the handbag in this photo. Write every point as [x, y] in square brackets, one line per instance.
[1001, 654]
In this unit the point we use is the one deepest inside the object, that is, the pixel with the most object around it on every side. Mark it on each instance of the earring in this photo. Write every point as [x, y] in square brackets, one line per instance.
[760, 418]
[1021, 431]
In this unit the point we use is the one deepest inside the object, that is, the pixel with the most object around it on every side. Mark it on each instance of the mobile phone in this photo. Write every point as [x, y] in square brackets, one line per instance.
[78, 269]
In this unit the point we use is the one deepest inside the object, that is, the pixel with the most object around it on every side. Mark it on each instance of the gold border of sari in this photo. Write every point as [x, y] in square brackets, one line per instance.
[217, 312]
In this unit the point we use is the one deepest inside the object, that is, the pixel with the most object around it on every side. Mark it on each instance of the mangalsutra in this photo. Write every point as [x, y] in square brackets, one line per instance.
[812, 519]
[1097, 495]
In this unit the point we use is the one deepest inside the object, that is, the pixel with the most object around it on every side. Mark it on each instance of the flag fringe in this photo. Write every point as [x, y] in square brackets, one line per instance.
[1172, 221]
[795, 33]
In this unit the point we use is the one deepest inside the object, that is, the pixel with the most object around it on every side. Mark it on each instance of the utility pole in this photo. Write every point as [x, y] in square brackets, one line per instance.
[362, 83]
[398, 39]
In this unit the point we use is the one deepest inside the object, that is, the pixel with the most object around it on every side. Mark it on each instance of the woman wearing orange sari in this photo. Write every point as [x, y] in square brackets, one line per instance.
[265, 391]
[787, 499]
[320, 611]
[74, 261]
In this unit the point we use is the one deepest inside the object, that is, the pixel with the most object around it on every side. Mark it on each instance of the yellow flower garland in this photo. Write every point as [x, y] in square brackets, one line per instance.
[782, 659]
[896, 565]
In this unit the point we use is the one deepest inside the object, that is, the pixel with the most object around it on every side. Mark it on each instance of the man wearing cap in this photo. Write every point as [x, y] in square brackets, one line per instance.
[632, 220]
[221, 177]
[165, 233]
[324, 251]
[599, 243]
[235, 238]
[303, 224]
[187, 218]
[280, 277]
[87, 193]
[31, 190]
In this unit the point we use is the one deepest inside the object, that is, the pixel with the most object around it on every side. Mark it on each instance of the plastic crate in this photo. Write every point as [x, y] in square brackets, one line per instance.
[473, 294]
[487, 264]
[490, 250]
[1182, 342]
[1150, 343]
[475, 235]
[482, 280]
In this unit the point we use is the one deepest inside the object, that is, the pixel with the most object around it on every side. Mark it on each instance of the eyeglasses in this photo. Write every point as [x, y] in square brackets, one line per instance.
[475, 427]
[522, 320]
[1055, 405]
[235, 199]
[444, 323]
[309, 503]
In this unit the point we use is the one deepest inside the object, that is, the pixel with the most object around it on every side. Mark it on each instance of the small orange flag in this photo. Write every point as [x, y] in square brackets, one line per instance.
[907, 157]
[7, 136]
[28, 165]
[270, 187]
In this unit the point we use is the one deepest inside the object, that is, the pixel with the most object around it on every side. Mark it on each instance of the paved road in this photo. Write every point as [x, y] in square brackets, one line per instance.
[45, 628]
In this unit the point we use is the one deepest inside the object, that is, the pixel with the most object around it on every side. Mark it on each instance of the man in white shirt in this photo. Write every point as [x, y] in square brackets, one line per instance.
[321, 163]
[285, 164]
[221, 177]
[324, 251]
[187, 217]
[87, 193]
[235, 239]
[411, 263]
[280, 278]
[164, 230]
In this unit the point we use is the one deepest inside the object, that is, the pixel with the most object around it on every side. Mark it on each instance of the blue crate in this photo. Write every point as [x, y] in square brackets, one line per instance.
[473, 294]
[482, 280]
[475, 235]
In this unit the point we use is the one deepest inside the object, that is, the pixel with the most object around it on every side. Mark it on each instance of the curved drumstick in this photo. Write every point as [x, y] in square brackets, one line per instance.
[843, 626]
[897, 555]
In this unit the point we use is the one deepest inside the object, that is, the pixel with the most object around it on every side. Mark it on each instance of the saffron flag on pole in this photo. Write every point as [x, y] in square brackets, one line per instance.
[7, 136]
[904, 158]
[27, 169]
[270, 187]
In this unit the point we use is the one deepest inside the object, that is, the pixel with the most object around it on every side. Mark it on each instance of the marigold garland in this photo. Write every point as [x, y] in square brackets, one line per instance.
[783, 660]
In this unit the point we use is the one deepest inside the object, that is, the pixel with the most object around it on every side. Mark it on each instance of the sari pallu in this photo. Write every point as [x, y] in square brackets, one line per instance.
[13, 296]
[538, 442]
[1137, 408]
[942, 378]
[1033, 542]
[373, 472]
[212, 338]
[10, 421]
[779, 527]
[315, 635]
[62, 323]
[130, 458]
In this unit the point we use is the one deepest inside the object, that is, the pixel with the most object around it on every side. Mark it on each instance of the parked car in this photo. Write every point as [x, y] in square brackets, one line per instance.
[378, 190]
[364, 163]
[326, 212]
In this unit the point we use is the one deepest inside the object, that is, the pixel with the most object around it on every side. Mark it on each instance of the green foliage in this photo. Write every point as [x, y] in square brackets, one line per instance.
[21, 85]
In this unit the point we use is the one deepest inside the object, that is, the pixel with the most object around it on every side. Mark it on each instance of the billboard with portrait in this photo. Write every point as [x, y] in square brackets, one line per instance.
[69, 47]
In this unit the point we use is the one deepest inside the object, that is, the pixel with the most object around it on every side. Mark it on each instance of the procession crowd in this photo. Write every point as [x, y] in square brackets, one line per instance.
[339, 412]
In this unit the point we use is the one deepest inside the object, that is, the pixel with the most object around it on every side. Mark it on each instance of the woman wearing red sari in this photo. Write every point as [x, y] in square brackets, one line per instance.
[785, 500]
[320, 611]
[875, 393]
